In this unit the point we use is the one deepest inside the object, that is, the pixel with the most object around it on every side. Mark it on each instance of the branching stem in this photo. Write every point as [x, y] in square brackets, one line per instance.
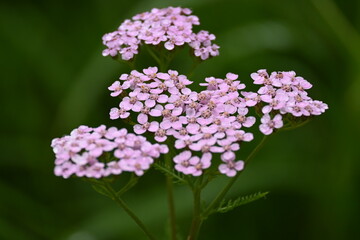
[197, 220]
[170, 193]
[122, 204]
[226, 189]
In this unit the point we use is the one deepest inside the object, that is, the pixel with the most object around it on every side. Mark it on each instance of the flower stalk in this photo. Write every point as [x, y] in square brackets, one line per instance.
[231, 182]
[197, 220]
[197, 127]
[170, 197]
[124, 206]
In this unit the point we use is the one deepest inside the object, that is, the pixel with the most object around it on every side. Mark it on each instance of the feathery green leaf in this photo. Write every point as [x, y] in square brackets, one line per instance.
[226, 206]
[162, 168]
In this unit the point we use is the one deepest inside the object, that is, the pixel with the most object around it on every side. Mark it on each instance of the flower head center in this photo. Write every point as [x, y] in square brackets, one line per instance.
[206, 114]
[166, 113]
[192, 120]
[205, 148]
[133, 100]
[271, 124]
[154, 97]
[241, 118]
[207, 136]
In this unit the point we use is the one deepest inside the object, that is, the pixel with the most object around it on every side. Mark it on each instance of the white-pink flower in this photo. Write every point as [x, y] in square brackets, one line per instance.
[268, 125]
[116, 89]
[192, 165]
[230, 168]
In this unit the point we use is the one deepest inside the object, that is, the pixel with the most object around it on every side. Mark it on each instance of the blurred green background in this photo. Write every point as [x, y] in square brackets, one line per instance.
[54, 78]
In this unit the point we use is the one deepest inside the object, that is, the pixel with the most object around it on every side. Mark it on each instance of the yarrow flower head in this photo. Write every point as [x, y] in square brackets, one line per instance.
[285, 92]
[82, 152]
[209, 122]
[170, 27]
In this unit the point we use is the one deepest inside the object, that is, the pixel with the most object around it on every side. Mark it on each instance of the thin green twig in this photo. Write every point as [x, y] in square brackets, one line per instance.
[226, 189]
[167, 171]
[170, 194]
[152, 54]
[197, 219]
[122, 204]
[131, 183]
[195, 64]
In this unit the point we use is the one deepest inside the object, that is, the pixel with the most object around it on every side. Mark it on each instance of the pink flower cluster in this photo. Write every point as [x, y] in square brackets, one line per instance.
[170, 26]
[201, 125]
[152, 95]
[209, 122]
[81, 152]
[284, 92]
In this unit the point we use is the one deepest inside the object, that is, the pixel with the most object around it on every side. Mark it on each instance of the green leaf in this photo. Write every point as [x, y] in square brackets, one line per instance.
[226, 206]
[162, 168]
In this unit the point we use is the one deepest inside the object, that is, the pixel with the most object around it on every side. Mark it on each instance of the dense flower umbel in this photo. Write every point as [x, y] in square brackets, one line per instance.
[170, 26]
[79, 153]
[209, 122]
[213, 120]
[286, 92]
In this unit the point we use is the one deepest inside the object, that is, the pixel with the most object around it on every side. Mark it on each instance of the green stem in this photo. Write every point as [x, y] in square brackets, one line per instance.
[170, 198]
[122, 204]
[131, 64]
[167, 171]
[193, 67]
[256, 149]
[151, 52]
[197, 220]
[129, 121]
[226, 189]
[131, 183]
[291, 127]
